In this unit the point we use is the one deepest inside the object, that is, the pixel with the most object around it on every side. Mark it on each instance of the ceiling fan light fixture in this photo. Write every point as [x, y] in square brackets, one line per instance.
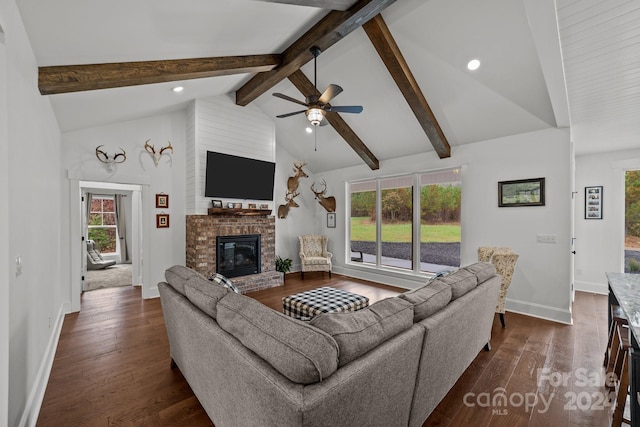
[315, 115]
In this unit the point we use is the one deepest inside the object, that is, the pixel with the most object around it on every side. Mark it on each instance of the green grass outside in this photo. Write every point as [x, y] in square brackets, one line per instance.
[363, 229]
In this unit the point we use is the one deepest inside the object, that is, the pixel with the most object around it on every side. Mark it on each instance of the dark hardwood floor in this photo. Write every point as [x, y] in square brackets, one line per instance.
[112, 366]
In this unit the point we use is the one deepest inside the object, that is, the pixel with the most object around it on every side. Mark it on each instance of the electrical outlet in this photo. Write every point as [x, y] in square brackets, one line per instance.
[546, 238]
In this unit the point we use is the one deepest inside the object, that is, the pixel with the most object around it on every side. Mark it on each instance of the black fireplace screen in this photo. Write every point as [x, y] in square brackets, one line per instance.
[238, 255]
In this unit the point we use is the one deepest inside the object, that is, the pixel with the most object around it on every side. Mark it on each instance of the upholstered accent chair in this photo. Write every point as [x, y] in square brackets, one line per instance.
[313, 254]
[94, 258]
[504, 259]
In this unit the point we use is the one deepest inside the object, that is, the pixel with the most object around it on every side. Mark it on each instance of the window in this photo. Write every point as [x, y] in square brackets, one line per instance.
[440, 230]
[393, 226]
[102, 223]
[632, 222]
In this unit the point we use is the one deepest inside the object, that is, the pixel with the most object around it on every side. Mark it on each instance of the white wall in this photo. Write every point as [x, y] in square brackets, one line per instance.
[166, 245]
[217, 124]
[4, 231]
[30, 227]
[300, 220]
[600, 243]
[541, 283]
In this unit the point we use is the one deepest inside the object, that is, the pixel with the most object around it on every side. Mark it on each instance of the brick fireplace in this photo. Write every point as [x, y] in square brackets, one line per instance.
[202, 233]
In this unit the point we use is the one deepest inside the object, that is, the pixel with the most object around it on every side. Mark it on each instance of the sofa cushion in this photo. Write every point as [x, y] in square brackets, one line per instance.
[357, 332]
[178, 275]
[482, 270]
[205, 294]
[428, 299]
[300, 352]
[461, 282]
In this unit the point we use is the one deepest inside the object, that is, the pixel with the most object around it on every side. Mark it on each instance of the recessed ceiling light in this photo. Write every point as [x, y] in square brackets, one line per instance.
[309, 130]
[178, 89]
[474, 64]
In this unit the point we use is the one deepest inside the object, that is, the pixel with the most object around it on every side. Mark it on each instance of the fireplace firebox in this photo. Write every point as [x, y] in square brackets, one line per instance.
[238, 255]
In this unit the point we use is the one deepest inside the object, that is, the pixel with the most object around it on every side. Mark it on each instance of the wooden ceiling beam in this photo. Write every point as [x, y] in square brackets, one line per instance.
[306, 87]
[390, 54]
[76, 78]
[321, 4]
[335, 26]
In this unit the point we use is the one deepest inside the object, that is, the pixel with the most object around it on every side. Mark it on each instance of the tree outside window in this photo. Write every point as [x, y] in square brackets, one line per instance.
[102, 223]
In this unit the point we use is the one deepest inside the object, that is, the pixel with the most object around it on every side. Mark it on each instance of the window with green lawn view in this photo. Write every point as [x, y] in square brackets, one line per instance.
[393, 226]
[102, 223]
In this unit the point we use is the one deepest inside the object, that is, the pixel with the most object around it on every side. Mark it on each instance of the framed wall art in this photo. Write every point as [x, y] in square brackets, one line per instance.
[331, 220]
[216, 203]
[521, 192]
[593, 202]
[162, 221]
[162, 201]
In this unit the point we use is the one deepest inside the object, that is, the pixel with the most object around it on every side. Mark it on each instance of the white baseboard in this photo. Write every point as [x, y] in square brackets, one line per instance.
[596, 288]
[546, 312]
[385, 277]
[34, 402]
[151, 293]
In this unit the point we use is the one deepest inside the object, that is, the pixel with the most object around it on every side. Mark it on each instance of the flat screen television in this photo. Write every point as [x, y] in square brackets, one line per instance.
[236, 177]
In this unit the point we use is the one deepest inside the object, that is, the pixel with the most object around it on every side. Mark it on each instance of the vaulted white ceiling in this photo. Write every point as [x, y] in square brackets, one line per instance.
[519, 87]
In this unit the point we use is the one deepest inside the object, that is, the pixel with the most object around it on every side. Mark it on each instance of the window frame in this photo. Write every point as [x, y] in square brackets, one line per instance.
[416, 225]
[102, 212]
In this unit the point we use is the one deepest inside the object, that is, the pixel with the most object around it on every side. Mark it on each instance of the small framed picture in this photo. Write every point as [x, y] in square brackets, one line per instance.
[264, 206]
[252, 206]
[162, 221]
[237, 205]
[593, 202]
[521, 192]
[331, 220]
[216, 203]
[230, 205]
[162, 201]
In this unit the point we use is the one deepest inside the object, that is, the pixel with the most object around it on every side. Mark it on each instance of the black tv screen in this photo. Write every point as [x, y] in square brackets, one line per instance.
[236, 177]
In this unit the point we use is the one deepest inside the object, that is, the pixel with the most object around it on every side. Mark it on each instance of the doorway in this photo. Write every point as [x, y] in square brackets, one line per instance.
[136, 192]
[632, 221]
[108, 239]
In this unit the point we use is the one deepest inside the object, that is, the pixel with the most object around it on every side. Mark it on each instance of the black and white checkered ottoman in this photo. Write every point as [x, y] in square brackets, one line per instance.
[307, 305]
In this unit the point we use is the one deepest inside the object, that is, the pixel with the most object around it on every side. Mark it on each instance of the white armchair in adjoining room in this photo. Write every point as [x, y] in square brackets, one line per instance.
[504, 259]
[313, 254]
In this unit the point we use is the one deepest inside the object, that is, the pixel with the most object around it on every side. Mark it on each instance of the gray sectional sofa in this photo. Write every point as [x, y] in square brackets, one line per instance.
[387, 365]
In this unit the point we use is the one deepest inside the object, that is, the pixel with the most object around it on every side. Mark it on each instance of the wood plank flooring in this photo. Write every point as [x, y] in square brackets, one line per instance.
[112, 366]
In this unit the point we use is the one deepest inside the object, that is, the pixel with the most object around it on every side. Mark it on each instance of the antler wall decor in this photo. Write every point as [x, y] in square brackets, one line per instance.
[329, 203]
[111, 162]
[152, 151]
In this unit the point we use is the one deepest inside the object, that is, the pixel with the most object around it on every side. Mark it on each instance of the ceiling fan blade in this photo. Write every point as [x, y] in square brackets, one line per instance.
[330, 92]
[346, 109]
[288, 98]
[282, 116]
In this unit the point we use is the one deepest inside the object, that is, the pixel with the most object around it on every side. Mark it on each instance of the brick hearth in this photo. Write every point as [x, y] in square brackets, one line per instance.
[202, 231]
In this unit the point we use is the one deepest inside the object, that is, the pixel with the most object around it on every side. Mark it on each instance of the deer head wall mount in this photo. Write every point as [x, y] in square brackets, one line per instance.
[283, 210]
[293, 181]
[110, 161]
[329, 203]
[156, 156]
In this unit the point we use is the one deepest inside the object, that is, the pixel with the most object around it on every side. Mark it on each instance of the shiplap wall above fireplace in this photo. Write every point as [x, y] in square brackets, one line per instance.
[217, 124]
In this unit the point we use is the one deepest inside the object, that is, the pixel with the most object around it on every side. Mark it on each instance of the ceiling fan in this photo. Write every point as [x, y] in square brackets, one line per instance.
[318, 106]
